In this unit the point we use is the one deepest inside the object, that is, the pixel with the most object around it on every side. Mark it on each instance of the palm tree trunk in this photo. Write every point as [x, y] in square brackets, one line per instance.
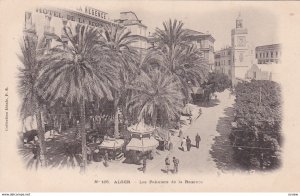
[154, 117]
[125, 117]
[83, 134]
[116, 129]
[41, 135]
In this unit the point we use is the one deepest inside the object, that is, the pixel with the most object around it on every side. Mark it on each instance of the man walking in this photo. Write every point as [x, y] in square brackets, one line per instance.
[144, 164]
[167, 162]
[198, 139]
[105, 163]
[183, 143]
[188, 143]
[199, 113]
[176, 163]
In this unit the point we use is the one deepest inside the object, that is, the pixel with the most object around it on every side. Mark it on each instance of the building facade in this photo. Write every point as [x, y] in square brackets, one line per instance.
[263, 72]
[134, 25]
[204, 42]
[223, 61]
[242, 52]
[236, 60]
[268, 54]
[50, 22]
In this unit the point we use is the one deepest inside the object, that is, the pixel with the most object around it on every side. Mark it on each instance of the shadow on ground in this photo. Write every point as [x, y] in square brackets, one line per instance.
[211, 103]
[56, 155]
[221, 151]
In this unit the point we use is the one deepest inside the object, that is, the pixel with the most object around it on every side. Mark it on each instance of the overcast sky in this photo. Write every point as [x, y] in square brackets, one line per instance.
[215, 18]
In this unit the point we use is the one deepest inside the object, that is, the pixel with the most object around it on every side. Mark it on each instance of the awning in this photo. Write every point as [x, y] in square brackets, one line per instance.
[141, 128]
[142, 144]
[112, 144]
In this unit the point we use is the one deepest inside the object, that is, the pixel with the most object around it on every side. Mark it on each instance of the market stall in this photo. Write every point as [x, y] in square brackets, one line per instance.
[142, 142]
[113, 147]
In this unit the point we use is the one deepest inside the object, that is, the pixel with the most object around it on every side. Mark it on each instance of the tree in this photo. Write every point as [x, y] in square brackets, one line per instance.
[78, 72]
[32, 49]
[216, 82]
[179, 56]
[117, 42]
[156, 93]
[258, 117]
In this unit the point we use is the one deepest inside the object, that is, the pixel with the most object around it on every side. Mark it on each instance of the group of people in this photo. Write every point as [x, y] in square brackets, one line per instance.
[175, 165]
[186, 143]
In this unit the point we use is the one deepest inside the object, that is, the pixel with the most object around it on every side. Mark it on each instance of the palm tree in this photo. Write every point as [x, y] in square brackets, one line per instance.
[179, 56]
[117, 42]
[156, 93]
[31, 49]
[78, 72]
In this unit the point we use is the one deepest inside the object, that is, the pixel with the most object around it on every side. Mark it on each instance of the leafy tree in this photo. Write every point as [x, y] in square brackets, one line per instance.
[258, 117]
[216, 82]
[156, 93]
[32, 103]
[78, 72]
[179, 56]
[117, 42]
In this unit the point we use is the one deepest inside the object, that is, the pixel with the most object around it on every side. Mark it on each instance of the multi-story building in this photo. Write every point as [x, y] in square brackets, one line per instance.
[242, 52]
[235, 60]
[49, 22]
[268, 54]
[205, 42]
[134, 25]
[223, 61]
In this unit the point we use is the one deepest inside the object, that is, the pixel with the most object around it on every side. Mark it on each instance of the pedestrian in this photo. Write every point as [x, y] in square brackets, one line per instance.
[144, 164]
[105, 159]
[180, 133]
[188, 143]
[183, 143]
[167, 162]
[199, 113]
[170, 146]
[89, 153]
[197, 139]
[190, 119]
[176, 163]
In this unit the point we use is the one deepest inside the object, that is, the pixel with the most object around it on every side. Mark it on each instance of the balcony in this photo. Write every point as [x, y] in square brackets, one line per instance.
[29, 28]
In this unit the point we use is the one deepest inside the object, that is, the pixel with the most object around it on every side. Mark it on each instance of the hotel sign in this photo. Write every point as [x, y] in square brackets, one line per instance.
[88, 16]
[95, 12]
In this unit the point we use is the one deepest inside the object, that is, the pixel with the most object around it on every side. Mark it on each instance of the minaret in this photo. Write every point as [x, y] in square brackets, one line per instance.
[240, 51]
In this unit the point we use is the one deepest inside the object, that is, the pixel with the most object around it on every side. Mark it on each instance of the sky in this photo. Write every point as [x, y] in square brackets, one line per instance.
[217, 18]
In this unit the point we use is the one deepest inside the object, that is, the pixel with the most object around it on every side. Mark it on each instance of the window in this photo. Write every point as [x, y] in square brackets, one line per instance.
[228, 62]
[256, 55]
[267, 54]
[28, 19]
[260, 55]
[276, 54]
[271, 54]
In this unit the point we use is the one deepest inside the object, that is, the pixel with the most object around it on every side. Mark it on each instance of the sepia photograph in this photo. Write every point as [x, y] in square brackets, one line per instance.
[146, 96]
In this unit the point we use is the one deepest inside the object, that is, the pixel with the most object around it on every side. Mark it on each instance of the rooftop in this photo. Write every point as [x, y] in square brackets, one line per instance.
[270, 46]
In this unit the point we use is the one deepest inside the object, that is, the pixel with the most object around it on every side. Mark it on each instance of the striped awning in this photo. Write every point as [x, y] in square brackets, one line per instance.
[112, 144]
[142, 144]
